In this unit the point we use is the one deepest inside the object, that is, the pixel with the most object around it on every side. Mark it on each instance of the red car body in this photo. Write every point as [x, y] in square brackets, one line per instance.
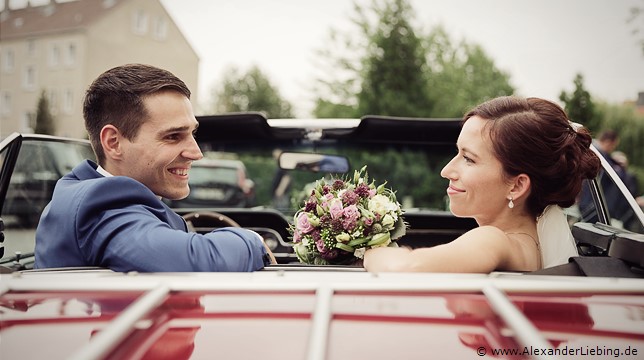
[318, 315]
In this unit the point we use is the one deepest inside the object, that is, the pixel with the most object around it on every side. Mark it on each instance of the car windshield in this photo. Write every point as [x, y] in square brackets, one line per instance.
[412, 171]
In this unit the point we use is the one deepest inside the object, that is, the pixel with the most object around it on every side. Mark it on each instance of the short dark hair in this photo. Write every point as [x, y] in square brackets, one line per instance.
[116, 97]
[608, 135]
[535, 137]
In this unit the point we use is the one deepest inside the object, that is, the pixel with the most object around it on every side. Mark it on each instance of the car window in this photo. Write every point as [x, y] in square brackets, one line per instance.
[39, 165]
[620, 213]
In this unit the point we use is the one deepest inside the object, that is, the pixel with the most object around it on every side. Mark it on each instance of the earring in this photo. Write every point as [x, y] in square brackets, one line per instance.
[511, 203]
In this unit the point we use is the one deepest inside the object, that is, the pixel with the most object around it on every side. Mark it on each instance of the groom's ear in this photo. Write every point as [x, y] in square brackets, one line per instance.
[111, 142]
[521, 186]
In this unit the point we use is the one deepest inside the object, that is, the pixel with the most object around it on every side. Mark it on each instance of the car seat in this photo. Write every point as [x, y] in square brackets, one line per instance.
[604, 251]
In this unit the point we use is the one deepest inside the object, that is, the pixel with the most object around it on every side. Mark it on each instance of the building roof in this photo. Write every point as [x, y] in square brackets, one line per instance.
[52, 18]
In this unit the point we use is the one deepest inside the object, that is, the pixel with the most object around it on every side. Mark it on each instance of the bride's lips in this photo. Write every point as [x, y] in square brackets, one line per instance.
[451, 190]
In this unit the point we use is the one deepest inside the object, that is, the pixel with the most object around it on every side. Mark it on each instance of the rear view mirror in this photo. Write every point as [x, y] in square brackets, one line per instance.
[313, 162]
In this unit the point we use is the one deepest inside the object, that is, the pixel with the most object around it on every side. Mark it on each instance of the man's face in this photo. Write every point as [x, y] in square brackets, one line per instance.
[162, 152]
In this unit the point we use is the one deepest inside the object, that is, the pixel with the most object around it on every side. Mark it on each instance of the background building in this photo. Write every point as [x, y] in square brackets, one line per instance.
[61, 47]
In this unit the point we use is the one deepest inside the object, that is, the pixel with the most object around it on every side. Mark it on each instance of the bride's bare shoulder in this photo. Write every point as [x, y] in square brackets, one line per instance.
[488, 233]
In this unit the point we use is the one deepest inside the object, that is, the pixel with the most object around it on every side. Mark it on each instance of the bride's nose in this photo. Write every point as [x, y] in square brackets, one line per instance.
[448, 171]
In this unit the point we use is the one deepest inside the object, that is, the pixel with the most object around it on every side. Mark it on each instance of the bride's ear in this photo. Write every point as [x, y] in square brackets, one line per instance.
[520, 186]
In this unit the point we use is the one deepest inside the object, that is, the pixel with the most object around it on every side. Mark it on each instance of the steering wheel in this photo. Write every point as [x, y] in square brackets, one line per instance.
[222, 219]
[213, 216]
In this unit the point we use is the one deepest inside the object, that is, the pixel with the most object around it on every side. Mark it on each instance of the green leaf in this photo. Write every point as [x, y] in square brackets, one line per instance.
[344, 247]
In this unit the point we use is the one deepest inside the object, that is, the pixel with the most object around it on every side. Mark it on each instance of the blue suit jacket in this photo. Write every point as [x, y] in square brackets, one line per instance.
[118, 223]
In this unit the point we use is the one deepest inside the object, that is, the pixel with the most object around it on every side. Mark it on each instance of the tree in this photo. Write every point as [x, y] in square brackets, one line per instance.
[251, 91]
[394, 80]
[579, 105]
[390, 70]
[629, 124]
[635, 13]
[44, 119]
[461, 76]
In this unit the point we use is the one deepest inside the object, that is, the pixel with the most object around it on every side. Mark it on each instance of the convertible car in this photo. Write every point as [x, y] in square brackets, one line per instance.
[591, 307]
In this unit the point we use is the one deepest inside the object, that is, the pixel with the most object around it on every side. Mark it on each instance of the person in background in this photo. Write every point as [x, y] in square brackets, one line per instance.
[519, 162]
[606, 143]
[627, 217]
[629, 178]
[141, 126]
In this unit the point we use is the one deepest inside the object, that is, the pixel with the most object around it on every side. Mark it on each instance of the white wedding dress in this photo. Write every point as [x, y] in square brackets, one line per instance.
[555, 238]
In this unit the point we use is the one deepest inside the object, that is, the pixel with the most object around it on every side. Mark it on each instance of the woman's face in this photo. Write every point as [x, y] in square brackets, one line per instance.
[476, 185]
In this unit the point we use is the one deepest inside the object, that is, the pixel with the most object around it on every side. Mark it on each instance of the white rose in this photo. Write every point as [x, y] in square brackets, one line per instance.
[379, 204]
[388, 221]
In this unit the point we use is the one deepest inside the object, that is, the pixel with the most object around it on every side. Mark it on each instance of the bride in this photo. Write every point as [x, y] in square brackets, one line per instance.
[519, 162]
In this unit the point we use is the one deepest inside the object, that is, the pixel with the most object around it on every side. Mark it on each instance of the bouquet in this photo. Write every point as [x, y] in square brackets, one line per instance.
[342, 218]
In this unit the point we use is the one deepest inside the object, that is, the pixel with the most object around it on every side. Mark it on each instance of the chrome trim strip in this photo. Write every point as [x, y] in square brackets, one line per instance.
[319, 335]
[527, 334]
[119, 328]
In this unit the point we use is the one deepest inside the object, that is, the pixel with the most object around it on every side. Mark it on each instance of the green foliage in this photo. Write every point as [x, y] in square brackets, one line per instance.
[636, 13]
[251, 91]
[327, 109]
[461, 76]
[393, 71]
[630, 126]
[393, 79]
[44, 118]
[579, 105]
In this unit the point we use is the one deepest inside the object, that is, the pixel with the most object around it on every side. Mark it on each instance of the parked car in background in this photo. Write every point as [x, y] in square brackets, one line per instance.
[41, 162]
[218, 183]
[591, 307]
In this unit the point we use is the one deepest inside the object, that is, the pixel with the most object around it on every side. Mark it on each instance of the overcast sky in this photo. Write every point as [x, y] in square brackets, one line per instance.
[542, 44]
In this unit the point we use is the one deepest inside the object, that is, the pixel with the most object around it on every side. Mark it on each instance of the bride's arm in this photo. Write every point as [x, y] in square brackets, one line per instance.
[481, 250]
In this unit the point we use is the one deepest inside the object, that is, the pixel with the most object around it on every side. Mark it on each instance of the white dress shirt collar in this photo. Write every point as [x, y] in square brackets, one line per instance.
[103, 172]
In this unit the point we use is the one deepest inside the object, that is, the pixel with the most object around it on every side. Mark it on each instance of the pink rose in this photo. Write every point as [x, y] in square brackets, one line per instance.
[351, 212]
[335, 208]
[303, 224]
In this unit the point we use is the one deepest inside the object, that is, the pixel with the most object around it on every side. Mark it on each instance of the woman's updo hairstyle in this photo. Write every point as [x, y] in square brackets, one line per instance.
[535, 137]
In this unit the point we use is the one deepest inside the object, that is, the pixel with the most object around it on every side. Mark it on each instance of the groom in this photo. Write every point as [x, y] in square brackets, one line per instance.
[141, 126]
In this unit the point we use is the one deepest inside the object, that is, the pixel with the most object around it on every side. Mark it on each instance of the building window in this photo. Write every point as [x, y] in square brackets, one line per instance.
[31, 47]
[8, 61]
[54, 56]
[30, 77]
[70, 59]
[140, 22]
[68, 101]
[53, 101]
[5, 103]
[28, 122]
[160, 28]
